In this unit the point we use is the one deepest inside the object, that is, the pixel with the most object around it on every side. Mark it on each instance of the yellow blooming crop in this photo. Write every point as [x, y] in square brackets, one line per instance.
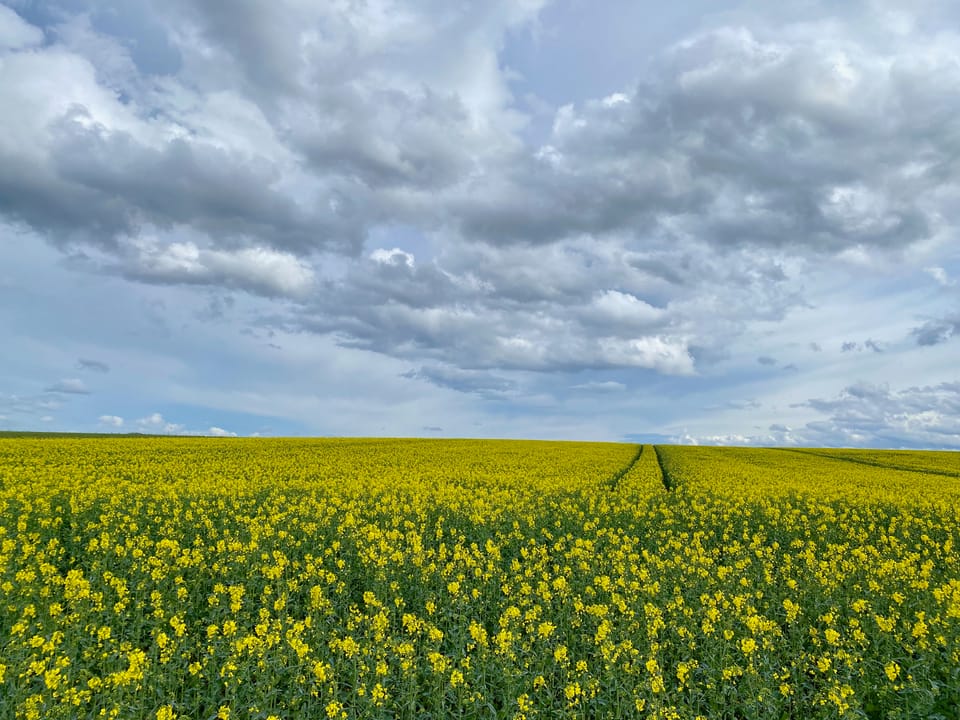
[400, 578]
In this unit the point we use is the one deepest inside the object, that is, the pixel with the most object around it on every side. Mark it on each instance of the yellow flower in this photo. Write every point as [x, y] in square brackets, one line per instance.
[321, 671]
[166, 713]
[379, 694]
[892, 669]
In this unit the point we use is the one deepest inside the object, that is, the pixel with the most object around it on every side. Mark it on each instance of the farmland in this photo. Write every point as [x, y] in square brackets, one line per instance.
[263, 579]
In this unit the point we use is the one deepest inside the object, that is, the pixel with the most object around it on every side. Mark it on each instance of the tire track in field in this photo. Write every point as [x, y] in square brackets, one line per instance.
[613, 482]
[668, 481]
[871, 463]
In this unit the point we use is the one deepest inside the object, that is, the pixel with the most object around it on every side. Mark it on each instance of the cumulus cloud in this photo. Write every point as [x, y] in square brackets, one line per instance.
[520, 309]
[111, 420]
[874, 415]
[291, 152]
[257, 270]
[69, 386]
[15, 33]
[862, 415]
[155, 423]
[743, 135]
[215, 431]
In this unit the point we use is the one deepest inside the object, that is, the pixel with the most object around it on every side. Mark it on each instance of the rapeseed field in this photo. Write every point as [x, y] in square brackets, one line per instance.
[228, 579]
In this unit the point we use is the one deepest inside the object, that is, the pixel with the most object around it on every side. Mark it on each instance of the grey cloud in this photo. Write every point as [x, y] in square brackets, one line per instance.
[743, 138]
[567, 306]
[287, 159]
[873, 345]
[484, 316]
[93, 365]
[735, 136]
[849, 346]
[766, 360]
[815, 347]
[934, 332]
[468, 381]
[217, 308]
[872, 415]
[866, 415]
[219, 193]
[410, 142]
[647, 230]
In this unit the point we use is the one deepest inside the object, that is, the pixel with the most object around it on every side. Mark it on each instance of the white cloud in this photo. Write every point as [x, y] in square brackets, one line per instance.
[155, 423]
[624, 309]
[220, 432]
[16, 33]
[868, 414]
[865, 415]
[666, 355]
[605, 386]
[392, 257]
[111, 420]
[69, 386]
[258, 270]
[941, 276]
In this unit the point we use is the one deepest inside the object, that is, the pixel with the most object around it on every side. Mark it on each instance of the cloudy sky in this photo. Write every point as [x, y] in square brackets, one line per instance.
[713, 221]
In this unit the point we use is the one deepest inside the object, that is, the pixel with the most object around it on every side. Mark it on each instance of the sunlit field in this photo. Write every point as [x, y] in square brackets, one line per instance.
[222, 578]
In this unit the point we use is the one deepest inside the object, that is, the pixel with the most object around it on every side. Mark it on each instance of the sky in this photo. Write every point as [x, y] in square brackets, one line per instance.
[715, 222]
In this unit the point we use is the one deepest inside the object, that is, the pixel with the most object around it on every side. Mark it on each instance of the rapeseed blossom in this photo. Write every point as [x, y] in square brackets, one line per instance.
[392, 578]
